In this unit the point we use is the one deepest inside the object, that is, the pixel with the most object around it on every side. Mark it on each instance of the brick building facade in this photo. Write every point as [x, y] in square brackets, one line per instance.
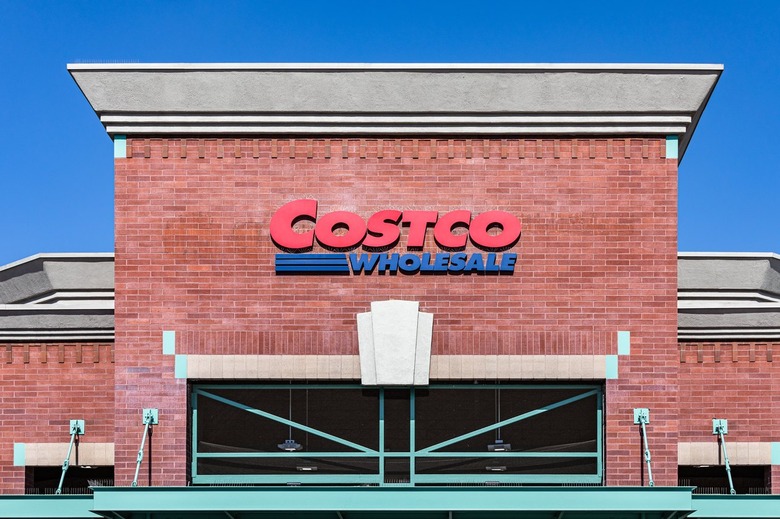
[582, 333]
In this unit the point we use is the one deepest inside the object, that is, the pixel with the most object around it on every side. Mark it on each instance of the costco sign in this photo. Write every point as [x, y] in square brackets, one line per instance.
[343, 232]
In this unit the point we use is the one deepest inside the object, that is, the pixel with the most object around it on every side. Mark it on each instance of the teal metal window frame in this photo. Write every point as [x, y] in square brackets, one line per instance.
[378, 479]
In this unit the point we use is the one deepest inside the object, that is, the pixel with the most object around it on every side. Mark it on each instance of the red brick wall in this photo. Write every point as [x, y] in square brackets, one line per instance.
[597, 255]
[735, 381]
[44, 386]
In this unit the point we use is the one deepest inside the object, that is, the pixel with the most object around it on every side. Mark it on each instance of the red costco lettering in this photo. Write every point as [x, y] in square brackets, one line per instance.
[509, 225]
[354, 225]
[383, 229]
[418, 223]
[344, 230]
[442, 233]
[286, 217]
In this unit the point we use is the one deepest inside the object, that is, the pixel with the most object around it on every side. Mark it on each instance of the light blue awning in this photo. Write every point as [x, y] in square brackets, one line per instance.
[389, 502]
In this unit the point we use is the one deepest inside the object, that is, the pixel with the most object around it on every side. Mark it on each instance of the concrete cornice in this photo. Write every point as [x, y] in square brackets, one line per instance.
[397, 99]
[728, 296]
[53, 297]
[59, 255]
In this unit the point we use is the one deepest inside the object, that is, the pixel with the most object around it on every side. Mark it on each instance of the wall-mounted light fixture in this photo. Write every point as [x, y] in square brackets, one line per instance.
[289, 445]
[498, 445]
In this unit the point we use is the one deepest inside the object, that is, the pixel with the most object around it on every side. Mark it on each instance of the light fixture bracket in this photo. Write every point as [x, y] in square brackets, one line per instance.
[290, 445]
[77, 427]
[150, 416]
[641, 415]
[499, 446]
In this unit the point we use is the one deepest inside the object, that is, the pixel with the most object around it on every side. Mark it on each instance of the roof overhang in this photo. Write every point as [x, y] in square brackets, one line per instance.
[58, 297]
[444, 99]
[728, 296]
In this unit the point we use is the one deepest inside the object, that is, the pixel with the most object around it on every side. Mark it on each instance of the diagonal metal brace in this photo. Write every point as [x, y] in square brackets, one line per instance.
[642, 418]
[508, 421]
[287, 422]
[150, 418]
[720, 428]
[76, 429]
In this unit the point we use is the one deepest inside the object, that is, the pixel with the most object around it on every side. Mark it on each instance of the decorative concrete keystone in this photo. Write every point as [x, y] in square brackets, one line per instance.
[395, 344]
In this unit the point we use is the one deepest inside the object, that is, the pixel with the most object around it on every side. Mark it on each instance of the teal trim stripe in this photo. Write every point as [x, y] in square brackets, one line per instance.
[624, 343]
[19, 454]
[482, 501]
[672, 147]
[169, 343]
[418, 454]
[775, 453]
[55, 506]
[599, 433]
[299, 387]
[120, 147]
[309, 479]
[194, 429]
[731, 507]
[612, 367]
[508, 478]
[180, 366]
[308, 454]
[381, 436]
[412, 435]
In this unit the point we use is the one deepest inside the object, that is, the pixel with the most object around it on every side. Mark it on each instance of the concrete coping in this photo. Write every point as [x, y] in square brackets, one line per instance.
[399, 99]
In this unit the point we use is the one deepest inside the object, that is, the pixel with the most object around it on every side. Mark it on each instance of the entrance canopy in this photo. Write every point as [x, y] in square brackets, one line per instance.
[384, 502]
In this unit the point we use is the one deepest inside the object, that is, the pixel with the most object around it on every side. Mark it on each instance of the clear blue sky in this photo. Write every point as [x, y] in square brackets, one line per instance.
[56, 159]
